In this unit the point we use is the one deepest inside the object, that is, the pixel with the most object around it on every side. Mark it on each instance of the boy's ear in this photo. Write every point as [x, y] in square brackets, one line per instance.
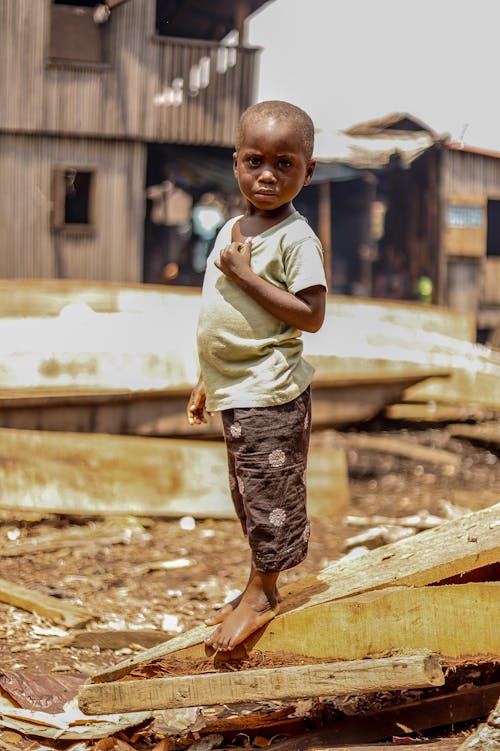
[311, 166]
[235, 162]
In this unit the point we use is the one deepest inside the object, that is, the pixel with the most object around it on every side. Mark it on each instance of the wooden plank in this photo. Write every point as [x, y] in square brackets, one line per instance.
[115, 639]
[487, 432]
[101, 533]
[56, 610]
[425, 714]
[330, 679]
[443, 744]
[455, 620]
[398, 447]
[101, 474]
[438, 412]
[455, 547]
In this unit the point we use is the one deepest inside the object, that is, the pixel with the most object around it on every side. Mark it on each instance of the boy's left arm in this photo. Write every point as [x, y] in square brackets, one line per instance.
[304, 310]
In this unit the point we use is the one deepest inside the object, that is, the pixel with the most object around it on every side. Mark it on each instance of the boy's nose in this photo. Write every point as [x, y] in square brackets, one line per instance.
[267, 175]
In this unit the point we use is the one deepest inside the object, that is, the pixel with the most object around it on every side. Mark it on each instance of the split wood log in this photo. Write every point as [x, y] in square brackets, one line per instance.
[425, 714]
[330, 679]
[399, 447]
[72, 616]
[488, 432]
[102, 474]
[456, 547]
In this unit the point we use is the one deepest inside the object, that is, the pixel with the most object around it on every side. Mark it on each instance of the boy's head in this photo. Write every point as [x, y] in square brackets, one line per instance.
[280, 111]
[273, 157]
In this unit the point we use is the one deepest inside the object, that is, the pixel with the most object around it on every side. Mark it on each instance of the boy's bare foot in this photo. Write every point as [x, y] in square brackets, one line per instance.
[222, 613]
[257, 606]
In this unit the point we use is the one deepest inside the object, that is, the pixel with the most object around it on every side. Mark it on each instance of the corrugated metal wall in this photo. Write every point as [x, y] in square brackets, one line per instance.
[469, 174]
[129, 98]
[28, 246]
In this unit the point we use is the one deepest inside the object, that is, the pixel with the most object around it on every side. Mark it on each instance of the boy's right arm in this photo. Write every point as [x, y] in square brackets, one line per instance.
[195, 409]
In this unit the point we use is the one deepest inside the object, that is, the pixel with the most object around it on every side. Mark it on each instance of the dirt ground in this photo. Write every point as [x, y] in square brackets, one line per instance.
[169, 574]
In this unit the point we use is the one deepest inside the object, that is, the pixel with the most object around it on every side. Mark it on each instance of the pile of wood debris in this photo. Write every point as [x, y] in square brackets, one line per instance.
[394, 640]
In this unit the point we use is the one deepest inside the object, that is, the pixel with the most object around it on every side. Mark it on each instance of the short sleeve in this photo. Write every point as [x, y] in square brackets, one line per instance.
[304, 266]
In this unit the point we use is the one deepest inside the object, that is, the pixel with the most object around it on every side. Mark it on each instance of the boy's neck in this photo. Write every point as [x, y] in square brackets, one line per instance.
[254, 222]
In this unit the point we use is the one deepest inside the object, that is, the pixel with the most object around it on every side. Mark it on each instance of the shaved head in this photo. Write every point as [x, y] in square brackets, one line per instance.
[277, 110]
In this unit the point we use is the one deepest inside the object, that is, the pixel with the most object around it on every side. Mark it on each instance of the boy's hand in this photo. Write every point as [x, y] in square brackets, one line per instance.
[234, 259]
[195, 409]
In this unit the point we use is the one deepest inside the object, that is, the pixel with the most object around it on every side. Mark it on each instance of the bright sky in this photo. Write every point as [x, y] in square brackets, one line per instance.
[346, 61]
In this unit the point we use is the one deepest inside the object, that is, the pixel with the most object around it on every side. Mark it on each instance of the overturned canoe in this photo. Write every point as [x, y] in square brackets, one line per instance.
[113, 358]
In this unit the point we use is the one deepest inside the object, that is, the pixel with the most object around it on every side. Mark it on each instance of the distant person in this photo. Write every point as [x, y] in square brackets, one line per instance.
[264, 284]
[206, 220]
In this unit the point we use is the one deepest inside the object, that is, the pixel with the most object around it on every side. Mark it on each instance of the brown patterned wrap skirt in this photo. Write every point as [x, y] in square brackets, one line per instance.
[267, 457]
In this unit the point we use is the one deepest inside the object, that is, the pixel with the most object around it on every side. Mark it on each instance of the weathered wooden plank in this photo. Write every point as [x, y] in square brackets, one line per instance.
[72, 616]
[425, 714]
[437, 412]
[454, 620]
[488, 432]
[398, 447]
[115, 639]
[455, 547]
[102, 474]
[107, 534]
[328, 679]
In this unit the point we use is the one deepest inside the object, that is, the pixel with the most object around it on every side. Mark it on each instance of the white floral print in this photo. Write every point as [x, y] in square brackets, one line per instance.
[277, 517]
[241, 485]
[277, 458]
[235, 430]
[306, 421]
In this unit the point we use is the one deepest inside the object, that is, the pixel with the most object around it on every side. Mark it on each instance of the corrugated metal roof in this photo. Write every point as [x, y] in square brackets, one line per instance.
[371, 152]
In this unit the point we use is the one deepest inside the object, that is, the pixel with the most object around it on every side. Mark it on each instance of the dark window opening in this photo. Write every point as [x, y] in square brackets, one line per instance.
[75, 37]
[493, 233]
[73, 199]
[192, 19]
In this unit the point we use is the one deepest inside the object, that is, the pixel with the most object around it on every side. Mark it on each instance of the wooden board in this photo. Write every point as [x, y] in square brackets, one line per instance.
[48, 607]
[455, 620]
[458, 546]
[438, 412]
[101, 474]
[487, 432]
[424, 714]
[329, 679]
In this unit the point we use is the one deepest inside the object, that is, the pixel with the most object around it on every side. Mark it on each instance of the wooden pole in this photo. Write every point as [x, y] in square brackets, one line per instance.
[325, 228]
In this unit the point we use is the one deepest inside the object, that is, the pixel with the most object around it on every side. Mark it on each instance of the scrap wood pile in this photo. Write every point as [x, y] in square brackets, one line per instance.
[396, 642]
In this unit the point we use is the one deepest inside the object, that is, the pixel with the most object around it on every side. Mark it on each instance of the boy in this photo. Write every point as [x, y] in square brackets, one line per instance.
[264, 284]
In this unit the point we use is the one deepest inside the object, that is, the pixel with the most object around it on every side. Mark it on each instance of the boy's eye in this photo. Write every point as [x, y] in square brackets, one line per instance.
[254, 161]
[284, 163]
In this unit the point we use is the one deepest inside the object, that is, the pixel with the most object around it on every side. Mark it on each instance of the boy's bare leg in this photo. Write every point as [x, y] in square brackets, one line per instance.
[258, 604]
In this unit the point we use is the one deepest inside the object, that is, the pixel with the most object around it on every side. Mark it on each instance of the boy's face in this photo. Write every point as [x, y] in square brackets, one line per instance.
[270, 164]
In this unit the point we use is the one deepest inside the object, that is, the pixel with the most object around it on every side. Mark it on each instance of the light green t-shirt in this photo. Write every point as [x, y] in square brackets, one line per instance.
[248, 357]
